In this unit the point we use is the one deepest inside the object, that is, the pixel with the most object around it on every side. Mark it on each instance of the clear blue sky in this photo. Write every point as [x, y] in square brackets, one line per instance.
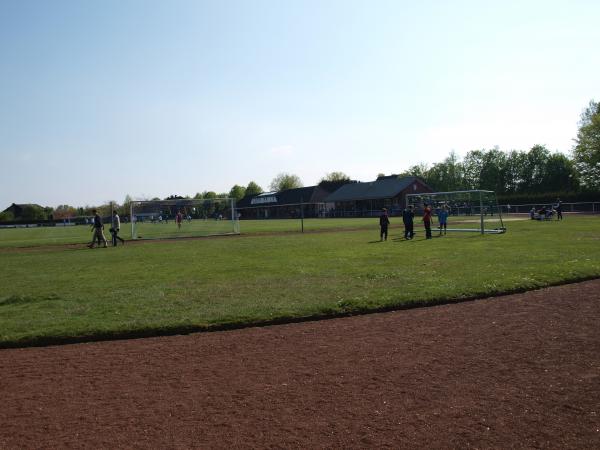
[151, 98]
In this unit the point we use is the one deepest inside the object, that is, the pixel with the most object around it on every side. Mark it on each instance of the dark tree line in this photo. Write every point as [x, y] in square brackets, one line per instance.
[516, 172]
[526, 175]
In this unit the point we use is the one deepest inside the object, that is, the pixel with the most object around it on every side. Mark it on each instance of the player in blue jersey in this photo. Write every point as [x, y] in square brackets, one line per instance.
[443, 219]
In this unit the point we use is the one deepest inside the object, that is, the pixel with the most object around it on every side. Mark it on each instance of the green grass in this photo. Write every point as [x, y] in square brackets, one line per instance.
[46, 236]
[38, 236]
[49, 294]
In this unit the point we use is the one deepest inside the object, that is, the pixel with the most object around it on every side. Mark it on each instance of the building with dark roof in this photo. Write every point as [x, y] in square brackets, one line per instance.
[284, 204]
[368, 198]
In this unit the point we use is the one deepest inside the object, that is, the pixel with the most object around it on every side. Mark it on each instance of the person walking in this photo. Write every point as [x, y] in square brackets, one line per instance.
[114, 230]
[408, 216]
[98, 229]
[427, 220]
[558, 209]
[384, 221]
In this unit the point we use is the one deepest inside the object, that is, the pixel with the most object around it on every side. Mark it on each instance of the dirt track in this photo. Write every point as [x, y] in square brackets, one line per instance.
[515, 371]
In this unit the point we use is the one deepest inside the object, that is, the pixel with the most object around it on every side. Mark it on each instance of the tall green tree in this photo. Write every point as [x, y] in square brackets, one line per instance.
[472, 166]
[533, 170]
[285, 181]
[418, 170]
[253, 189]
[560, 174]
[237, 192]
[447, 175]
[125, 209]
[586, 152]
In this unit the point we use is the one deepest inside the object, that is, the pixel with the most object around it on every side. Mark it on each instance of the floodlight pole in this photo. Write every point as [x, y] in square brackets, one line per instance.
[131, 219]
[233, 215]
[302, 213]
[481, 210]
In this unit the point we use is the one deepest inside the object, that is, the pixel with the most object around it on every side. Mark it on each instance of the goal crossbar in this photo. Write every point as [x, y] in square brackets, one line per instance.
[474, 200]
[192, 217]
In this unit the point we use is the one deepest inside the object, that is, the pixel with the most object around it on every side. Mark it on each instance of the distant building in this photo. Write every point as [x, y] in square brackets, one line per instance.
[18, 211]
[368, 198]
[284, 204]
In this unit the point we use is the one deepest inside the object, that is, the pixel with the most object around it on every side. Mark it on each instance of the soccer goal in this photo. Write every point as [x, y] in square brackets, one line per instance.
[164, 219]
[468, 211]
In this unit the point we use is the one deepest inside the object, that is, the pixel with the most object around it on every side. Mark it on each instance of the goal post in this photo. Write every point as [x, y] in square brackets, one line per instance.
[468, 211]
[176, 218]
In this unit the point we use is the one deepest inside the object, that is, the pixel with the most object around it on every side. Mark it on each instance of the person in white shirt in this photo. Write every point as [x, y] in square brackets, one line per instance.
[114, 230]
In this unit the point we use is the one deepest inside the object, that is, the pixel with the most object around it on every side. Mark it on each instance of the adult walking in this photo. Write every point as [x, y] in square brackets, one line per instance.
[115, 228]
[408, 216]
[98, 229]
[384, 221]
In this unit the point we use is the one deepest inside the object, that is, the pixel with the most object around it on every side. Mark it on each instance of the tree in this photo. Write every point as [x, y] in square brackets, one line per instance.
[285, 181]
[35, 212]
[333, 181]
[209, 194]
[447, 175]
[64, 212]
[7, 216]
[586, 152]
[253, 189]
[237, 192]
[418, 170]
[335, 177]
[485, 169]
[560, 174]
[126, 208]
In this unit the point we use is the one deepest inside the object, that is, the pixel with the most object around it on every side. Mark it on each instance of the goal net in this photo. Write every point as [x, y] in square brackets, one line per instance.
[469, 211]
[163, 219]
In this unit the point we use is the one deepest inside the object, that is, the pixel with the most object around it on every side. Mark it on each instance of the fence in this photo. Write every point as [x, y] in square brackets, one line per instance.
[577, 207]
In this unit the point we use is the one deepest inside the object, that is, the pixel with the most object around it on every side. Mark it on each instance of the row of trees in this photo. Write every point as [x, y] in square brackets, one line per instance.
[516, 176]
[531, 172]
[525, 174]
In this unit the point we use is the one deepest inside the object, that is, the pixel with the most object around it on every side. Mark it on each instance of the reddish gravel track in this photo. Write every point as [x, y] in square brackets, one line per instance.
[515, 371]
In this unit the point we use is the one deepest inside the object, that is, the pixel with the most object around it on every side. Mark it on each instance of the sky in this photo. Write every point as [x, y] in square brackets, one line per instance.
[147, 98]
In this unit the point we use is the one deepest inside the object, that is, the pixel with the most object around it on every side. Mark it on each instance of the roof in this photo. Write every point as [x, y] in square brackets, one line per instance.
[310, 194]
[383, 187]
[21, 206]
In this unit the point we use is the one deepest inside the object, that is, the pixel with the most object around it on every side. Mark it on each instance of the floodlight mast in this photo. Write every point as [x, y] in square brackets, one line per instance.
[481, 211]
[131, 219]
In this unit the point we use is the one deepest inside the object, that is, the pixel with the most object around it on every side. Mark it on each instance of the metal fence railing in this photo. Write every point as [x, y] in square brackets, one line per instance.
[575, 207]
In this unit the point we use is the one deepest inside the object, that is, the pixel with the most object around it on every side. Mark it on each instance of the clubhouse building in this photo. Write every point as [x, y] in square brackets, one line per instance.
[354, 199]
[365, 199]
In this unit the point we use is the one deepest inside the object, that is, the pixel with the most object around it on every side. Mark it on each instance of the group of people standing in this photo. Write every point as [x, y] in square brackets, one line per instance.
[408, 216]
[98, 230]
[547, 213]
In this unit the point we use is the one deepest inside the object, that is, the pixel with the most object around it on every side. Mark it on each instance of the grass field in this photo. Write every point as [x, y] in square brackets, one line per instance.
[53, 293]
